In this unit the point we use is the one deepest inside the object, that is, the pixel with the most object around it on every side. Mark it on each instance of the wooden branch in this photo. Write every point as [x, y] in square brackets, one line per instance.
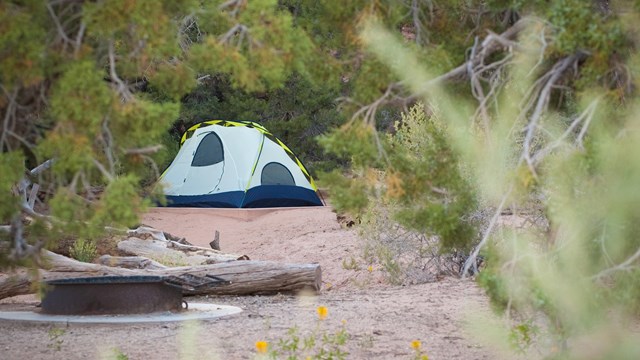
[107, 139]
[9, 116]
[543, 100]
[141, 151]
[42, 167]
[492, 43]
[471, 260]
[33, 194]
[56, 21]
[130, 262]
[215, 244]
[156, 234]
[20, 248]
[627, 265]
[238, 29]
[369, 112]
[476, 87]
[586, 115]
[121, 86]
[234, 5]
[78, 42]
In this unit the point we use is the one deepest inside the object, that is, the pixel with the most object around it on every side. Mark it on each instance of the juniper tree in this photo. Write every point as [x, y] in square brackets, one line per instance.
[95, 85]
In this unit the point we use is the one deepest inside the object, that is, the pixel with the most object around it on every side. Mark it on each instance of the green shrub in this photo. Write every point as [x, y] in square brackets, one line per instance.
[84, 250]
[414, 201]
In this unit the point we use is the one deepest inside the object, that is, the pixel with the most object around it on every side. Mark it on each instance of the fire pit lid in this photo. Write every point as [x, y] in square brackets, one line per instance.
[110, 295]
[106, 280]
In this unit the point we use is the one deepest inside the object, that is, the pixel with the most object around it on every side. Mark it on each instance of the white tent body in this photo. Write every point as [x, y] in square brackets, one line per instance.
[236, 164]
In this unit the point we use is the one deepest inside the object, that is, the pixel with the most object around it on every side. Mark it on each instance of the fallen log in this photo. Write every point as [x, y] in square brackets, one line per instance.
[16, 283]
[172, 253]
[248, 277]
[129, 262]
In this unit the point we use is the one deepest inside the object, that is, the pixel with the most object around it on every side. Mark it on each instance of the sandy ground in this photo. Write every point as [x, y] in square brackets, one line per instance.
[382, 320]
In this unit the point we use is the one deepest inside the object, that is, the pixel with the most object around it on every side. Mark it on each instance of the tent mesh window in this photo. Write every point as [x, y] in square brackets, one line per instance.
[209, 151]
[276, 174]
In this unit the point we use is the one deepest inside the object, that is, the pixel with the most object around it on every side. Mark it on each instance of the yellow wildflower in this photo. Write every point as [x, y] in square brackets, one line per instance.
[322, 312]
[416, 344]
[370, 268]
[261, 347]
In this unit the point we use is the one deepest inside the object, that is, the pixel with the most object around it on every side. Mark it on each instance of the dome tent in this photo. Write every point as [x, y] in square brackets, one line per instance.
[237, 164]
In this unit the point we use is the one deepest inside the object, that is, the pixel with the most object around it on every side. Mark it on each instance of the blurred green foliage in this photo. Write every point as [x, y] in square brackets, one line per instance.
[562, 267]
[96, 85]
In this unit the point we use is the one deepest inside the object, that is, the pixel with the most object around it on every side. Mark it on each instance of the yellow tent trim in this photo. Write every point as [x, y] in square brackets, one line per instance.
[255, 164]
[227, 123]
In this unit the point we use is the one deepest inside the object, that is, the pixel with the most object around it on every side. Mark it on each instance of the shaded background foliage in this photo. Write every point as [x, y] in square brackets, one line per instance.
[296, 113]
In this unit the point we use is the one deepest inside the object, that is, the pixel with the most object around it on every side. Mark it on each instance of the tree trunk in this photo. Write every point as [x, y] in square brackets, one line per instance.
[247, 277]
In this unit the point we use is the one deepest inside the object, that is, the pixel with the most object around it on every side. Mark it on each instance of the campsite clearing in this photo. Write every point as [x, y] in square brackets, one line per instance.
[382, 320]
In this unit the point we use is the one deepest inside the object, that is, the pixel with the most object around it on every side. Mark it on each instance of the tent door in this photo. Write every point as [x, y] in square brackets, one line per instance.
[203, 180]
[207, 166]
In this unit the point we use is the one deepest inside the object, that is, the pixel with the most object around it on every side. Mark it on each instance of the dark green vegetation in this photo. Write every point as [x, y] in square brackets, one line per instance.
[529, 108]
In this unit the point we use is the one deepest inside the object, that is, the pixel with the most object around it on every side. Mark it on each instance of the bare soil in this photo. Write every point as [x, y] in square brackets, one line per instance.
[381, 319]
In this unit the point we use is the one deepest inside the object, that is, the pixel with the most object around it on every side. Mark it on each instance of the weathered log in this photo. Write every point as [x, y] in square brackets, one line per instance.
[52, 263]
[247, 277]
[16, 283]
[129, 262]
[146, 232]
[165, 252]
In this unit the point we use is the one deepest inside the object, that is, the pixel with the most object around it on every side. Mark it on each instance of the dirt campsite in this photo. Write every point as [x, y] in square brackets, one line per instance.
[381, 320]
